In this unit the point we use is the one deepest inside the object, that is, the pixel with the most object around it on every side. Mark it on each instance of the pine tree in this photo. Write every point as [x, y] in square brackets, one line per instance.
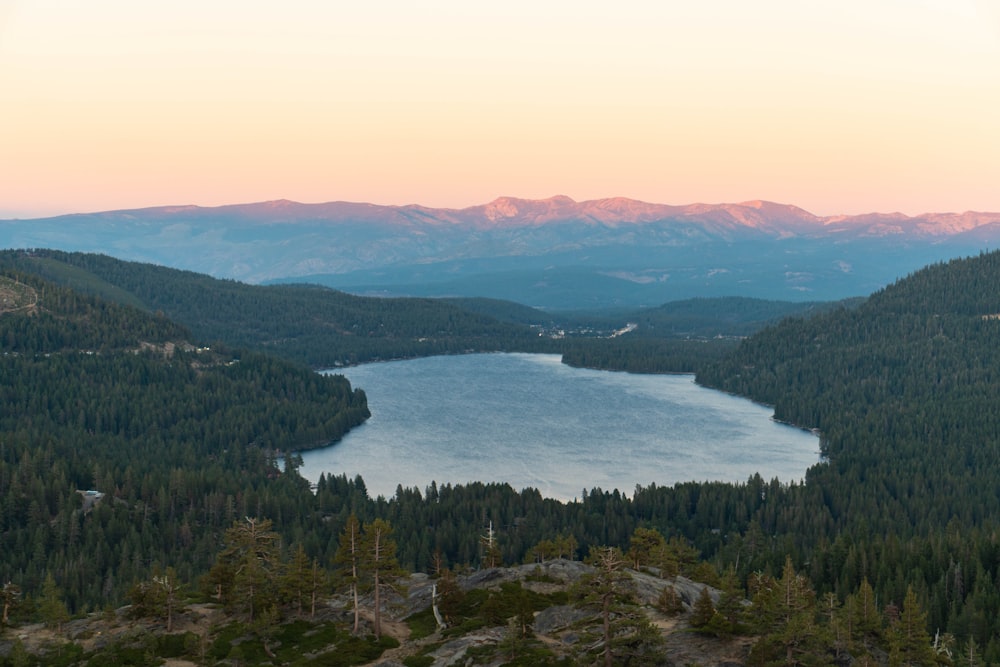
[626, 634]
[378, 563]
[864, 618]
[18, 656]
[512, 641]
[669, 602]
[450, 596]
[318, 580]
[645, 547]
[296, 580]
[348, 560]
[158, 597]
[51, 606]
[265, 626]
[703, 610]
[971, 655]
[833, 612]
[730, 606]
[172, 592]
[565, 546]
[909, 642]
[785, 615]
[251, 556]
[606, 588]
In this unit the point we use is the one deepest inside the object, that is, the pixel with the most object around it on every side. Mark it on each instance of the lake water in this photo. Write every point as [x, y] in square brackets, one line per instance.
[530, 420]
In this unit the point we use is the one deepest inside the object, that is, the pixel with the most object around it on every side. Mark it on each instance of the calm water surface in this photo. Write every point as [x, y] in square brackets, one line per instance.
[529, 420]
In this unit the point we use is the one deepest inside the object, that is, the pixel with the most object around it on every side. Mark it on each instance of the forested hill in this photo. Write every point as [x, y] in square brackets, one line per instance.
[903, 387]
[315, 325]
[104, 397]
[107, 397]
[729, 316]
[905, 390]
[931, 337]
[324, 328]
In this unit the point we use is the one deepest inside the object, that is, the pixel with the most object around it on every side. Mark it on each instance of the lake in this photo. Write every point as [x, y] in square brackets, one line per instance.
[531, 421]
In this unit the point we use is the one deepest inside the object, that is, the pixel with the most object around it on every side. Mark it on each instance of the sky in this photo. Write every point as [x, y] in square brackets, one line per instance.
[839, 106]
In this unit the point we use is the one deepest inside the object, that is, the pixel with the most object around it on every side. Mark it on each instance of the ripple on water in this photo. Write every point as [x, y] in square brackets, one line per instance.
[532, 421]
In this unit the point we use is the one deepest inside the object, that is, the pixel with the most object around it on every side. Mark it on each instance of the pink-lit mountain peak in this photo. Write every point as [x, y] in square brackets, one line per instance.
[512, 212]
[560, 208]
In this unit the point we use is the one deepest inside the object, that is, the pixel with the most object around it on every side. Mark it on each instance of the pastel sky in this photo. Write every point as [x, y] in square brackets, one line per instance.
[838, 106]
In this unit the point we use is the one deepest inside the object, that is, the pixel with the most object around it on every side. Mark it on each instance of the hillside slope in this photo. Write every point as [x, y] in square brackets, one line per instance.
[100, 397]
[314, 325]
[180, 441]
[324, 328]
[904, 389]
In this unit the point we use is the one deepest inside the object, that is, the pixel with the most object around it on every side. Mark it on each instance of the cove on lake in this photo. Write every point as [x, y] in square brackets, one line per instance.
[531, 421]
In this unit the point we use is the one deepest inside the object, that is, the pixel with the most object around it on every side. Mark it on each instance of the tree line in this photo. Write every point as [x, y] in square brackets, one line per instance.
[901, 387]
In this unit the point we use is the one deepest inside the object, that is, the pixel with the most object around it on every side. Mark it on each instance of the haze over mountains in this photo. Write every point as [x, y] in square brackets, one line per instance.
[553, 253]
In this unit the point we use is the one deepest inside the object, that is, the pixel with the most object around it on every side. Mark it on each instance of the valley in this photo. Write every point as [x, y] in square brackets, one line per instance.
[895, 524]
[512, 334]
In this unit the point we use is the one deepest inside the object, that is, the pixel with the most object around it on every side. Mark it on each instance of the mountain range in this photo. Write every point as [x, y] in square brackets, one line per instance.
[552, 253]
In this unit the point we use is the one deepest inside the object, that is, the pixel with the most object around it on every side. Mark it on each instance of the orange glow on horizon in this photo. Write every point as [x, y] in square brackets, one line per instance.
[845, 108]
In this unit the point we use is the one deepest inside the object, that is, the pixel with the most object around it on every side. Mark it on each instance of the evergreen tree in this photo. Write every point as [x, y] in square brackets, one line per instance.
[252, 557]
[646, 547]
[348, 561]
[379, 564]
[159, 597]
[970, 655]
[785, 618]
[19, 656]
[318, 582]
[626, 634]
[669, 602]
[836, 625]
[264, 626]
[565, 546]
[450, 596]
[297, 581]
[173, 595]
[606, 590]
[730, 606]
[909, 643]
[512, 642]
[864, 619]
[703, 610]
[51, 605]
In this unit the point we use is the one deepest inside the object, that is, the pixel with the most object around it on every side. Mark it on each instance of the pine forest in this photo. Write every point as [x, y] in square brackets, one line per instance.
[150, 421]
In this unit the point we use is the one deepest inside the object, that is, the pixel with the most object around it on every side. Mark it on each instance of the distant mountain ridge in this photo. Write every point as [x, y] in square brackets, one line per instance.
[516, 212]
[553, 253]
